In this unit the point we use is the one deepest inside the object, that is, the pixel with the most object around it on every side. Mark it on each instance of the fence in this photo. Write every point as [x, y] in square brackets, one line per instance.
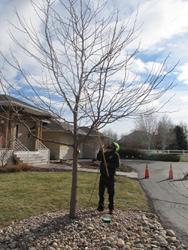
[167, 151]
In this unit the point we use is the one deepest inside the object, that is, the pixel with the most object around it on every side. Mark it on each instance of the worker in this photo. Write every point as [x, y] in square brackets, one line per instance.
[107, 174]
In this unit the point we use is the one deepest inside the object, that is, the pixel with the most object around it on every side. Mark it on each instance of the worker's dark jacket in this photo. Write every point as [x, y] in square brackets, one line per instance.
[112, 160]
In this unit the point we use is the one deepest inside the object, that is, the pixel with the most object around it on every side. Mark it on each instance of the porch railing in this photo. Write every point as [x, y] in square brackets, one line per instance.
[44, 151]
[40, 146]
[18, 146]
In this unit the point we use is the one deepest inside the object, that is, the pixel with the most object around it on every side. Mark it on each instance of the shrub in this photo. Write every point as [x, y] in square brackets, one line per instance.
[163, 157]
[136, 154]
[23, 167]
[131, 154]
[15, 168]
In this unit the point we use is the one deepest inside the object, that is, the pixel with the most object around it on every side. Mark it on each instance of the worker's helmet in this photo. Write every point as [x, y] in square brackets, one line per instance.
[116, 146]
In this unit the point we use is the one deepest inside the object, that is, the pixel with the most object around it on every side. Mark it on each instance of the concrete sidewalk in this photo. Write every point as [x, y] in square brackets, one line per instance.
[61, 168]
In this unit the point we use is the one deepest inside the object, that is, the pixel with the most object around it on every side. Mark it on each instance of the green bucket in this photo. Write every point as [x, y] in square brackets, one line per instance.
[106, 219]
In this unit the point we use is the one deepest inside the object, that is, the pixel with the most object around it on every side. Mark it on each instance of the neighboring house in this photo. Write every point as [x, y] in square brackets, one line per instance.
[136, 139]
[21, 127]
[62, 133]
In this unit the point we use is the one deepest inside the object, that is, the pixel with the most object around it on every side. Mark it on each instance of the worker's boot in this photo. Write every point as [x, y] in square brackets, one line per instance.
[111, 207]
[111, 211]
[100, 207]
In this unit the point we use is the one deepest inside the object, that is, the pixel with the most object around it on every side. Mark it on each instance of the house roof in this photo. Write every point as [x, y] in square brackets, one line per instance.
[57, 126]
[86, 130]
[10, 101]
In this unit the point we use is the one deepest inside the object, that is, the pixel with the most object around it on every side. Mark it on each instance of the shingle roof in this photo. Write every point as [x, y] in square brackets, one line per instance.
[86, 130]
[6, 100]
[57, 126]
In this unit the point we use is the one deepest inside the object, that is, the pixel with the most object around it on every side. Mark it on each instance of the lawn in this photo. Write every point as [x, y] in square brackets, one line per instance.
[24, 194]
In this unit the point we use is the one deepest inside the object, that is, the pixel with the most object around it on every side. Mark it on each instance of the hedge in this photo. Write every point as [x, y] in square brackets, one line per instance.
[131, 154]
[163, 157]
[136, 154]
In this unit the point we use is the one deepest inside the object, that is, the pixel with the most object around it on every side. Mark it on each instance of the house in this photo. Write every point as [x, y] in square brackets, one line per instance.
[21, 127]
[31, 135]
[58, 137]
[136, 139]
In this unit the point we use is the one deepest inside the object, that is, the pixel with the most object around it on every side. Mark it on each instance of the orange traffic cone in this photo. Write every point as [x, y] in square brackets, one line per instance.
[146, 172]
[170, 175]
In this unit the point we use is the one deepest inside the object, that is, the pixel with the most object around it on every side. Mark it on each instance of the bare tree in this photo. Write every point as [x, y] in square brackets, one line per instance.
[165, 135]
[147, 124]
[84, 58]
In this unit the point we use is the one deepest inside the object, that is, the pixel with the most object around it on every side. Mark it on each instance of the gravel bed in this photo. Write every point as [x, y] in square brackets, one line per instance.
[55, 231]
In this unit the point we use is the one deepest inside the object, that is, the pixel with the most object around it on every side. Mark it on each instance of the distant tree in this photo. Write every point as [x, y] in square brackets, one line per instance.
[181, 140]
[185, 129]
[134, 140]
[147, 124]
[165, 135]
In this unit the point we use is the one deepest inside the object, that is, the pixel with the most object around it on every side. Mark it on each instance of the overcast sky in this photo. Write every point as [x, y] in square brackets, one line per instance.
[164, 29]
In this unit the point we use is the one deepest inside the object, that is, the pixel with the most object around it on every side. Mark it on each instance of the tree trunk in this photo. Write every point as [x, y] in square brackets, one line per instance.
[73, 200]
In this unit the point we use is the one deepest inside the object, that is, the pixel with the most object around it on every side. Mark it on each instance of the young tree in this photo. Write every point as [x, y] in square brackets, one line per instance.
[84, 58]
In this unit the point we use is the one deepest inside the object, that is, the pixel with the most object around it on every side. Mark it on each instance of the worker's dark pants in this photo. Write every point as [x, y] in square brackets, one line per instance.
[106, 182]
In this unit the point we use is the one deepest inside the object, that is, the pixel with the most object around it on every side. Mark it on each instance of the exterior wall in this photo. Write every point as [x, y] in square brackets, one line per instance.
[45, 154]
[90, 148]
[65, 153]
[24, 136]
[58, 151]
[14, 129]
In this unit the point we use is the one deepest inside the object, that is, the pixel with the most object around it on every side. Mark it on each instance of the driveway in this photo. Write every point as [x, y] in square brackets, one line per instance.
[169, 197]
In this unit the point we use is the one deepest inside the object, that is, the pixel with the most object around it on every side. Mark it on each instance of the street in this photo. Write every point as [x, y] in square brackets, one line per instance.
[169, 197]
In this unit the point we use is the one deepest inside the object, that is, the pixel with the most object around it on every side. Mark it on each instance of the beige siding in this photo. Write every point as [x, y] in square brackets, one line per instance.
[58, 151]
[90, 148]
[66, 152]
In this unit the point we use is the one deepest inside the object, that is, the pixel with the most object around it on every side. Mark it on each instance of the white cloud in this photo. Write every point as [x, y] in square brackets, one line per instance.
[8, 19]
[161, 20]
[139, 66]
[183, 73]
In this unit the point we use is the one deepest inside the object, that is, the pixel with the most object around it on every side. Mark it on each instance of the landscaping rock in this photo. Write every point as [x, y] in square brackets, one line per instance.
[170, 232]
[128, 230]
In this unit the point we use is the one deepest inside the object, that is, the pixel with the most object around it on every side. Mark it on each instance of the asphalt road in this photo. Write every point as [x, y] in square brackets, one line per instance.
[169, 197]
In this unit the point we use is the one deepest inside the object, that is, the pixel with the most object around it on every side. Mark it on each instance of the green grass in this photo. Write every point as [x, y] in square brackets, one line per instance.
[25, 194]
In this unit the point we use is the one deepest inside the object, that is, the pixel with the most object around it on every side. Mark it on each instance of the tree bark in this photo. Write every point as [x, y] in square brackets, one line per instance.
[73, 200]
